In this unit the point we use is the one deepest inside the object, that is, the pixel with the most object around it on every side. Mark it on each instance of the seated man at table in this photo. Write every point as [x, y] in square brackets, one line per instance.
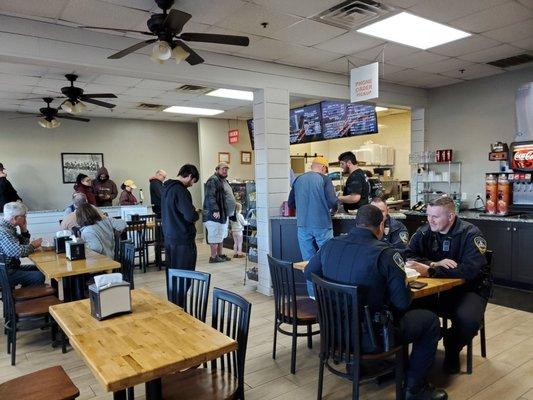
[361, 258]
[13, 246]
[395, 232]
[448, 247]
[77, 200]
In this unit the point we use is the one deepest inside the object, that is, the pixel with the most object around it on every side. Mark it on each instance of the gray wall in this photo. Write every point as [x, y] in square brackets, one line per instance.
[467, 117]
[132, 149]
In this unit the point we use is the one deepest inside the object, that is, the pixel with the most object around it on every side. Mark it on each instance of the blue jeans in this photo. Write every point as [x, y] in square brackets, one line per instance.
[311, 239]
[25, 277]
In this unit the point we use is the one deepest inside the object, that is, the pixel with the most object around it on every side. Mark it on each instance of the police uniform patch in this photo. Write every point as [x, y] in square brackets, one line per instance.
[399, 261]
[481, 244]
[404, 237]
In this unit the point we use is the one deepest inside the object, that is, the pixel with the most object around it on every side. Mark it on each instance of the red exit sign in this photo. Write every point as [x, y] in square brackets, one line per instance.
[233, 136]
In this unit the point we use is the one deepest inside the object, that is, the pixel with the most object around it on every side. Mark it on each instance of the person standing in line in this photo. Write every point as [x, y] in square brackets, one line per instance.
[237, 228]
[219, 205]
[156, 185]
[84, 185]
[104, 188]
[313, 197]
[7, 191]
[356, 192]
[127, 198]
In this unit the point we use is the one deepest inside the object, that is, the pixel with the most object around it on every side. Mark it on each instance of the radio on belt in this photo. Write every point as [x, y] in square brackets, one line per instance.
[75, 249]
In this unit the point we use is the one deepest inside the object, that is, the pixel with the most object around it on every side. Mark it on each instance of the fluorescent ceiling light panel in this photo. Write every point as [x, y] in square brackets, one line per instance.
[192, 110]
[378, 109]
[232, 94]
[413, 31]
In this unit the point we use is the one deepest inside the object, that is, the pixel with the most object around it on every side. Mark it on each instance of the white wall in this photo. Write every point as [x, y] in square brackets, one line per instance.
[213, 138]
[132, 149]
[467, 117]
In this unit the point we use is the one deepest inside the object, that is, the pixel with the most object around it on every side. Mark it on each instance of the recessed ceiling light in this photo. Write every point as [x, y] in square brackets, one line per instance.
[378, 108]
[413, 31]
[232, 94]
[192, 110]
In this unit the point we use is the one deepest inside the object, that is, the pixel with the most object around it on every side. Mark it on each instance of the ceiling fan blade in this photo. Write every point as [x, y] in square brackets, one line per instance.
[72, 118]
[117, 30]
[26, 116]
[175, 20]
[98, 95]
[131, 49]
[194, 58]
[215, 38]
[99, 103]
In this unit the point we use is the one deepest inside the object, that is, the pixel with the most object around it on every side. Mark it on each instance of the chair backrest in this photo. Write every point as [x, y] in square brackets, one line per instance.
[159, 231]
[7, 293]
[127, 260]
[135, 231]
[282, 274]
[189, 290]
[231, 316]
[117, 256]
[338, 318]
[149, 235]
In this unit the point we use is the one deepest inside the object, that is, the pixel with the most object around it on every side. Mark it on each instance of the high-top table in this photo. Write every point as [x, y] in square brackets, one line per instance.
[158, 338]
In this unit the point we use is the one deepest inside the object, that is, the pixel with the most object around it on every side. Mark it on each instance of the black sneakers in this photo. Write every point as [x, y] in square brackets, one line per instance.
[216, 259]
[426, 392]
[224, 257]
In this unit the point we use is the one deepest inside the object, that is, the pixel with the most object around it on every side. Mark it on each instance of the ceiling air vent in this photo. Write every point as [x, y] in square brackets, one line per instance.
[351, 14]
[193, 89]
[150, 107]
[512, 61]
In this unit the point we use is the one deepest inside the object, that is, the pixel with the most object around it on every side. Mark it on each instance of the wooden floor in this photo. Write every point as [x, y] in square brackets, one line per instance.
[507, 373]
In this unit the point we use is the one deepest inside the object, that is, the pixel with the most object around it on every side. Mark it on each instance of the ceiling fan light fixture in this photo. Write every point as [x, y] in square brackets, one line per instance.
[43, 122]
[54, 123]
[78, 108]
[162, 50]
[179, 54]
[67, 106]
[155, 59]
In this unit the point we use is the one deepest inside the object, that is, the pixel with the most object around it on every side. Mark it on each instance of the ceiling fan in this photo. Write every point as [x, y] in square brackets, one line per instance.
[167, 27]
[75, 94]
[49, 115]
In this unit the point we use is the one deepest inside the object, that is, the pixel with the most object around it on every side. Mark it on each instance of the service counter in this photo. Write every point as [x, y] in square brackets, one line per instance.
[510, 238]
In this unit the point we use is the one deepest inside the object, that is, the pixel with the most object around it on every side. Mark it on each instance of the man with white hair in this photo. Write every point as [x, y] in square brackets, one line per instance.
[70, 220]
[13, 246]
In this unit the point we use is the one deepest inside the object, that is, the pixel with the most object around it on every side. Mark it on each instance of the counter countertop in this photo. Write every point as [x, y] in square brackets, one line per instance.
[344, 216]
[100, 208]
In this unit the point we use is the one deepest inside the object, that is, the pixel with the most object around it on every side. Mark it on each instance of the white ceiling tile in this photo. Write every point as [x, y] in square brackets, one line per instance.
[386, 52]
[464, 46]
[439, 81]
[445, 65]
[117, 80]
[222, 48]
[388, 69]
[249, 17]
[524, 43]
[307, 56]
[155, 85]
[145, 5]
[350, 43]
[447, 10]
[40, 8]
[492, 54]
[417, 59]
[308, 33]
[401, 3]
[266, 49]
[474, 71]
[511, 33]
[495, 17]
[97, 88]
[23, 69]
[305, 8]
[209, 11]
[54, 84]
[340, 65]
[527, 3]
[18, 80]
[409, 75]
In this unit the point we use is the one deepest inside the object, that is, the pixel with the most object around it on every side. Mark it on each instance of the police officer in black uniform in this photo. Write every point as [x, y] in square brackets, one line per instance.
[360, 258]
[448, 247]
[395, 233]
[356, 191]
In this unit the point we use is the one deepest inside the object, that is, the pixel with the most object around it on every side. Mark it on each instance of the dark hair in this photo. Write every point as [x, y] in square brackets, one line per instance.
[348, 156]
[368, 173]
[368, 216]
[189, 169]
[80, 177]
[87, 215]
[123, 187]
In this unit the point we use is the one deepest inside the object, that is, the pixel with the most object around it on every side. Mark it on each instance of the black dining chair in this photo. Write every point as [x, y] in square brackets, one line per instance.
[340, 338]
[189, 290]
[135, 231]
[289, 308]
[149, 234]
[482, 340]
[159, 245]
[224, 380]
[127, 261]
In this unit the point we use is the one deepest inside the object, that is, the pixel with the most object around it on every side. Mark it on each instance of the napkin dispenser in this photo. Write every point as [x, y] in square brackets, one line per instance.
[75, 249]
[60, 243]
[109, 297]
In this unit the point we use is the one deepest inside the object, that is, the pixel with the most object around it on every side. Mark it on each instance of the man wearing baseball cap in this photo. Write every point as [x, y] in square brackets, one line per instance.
[313, 197]
[7, 191]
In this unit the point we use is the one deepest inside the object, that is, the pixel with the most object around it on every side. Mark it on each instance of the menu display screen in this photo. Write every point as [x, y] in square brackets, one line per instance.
[305, 124]
[343, 119]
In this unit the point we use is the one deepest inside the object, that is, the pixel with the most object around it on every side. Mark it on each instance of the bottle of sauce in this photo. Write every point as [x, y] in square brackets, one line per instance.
[504, 195]
[491, 190]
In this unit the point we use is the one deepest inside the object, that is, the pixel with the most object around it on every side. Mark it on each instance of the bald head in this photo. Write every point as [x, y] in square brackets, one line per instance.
[379, 203]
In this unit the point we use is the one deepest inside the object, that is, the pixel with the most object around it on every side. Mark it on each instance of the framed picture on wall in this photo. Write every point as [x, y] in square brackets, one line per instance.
[73, 164]
[246, 157]
[224, 157]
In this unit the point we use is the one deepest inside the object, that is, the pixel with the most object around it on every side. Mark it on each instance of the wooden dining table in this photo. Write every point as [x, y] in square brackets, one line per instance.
[57, 267]
[434, 285]
[157, 338]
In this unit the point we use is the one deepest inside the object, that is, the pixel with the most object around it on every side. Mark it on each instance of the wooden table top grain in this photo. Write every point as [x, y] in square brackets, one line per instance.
[156, 339]
[434, 285]
[56, 266]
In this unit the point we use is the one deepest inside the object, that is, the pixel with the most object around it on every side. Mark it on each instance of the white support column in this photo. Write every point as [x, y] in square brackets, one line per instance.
[418, 143]
[272, 165]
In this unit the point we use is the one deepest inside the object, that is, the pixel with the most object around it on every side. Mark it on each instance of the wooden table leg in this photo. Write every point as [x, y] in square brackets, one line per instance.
[67, 289]
[154, 390]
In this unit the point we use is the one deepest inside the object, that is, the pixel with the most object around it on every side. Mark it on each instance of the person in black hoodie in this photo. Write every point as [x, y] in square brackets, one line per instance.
[178, 218]
[156, 185]
[7, 191]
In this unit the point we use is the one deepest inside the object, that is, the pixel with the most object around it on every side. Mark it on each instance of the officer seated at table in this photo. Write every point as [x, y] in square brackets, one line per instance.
[361, 258]
[395, 233]
[447, 247]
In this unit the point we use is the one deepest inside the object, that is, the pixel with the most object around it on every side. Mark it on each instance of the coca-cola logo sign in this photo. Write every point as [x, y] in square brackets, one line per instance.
[523, 156]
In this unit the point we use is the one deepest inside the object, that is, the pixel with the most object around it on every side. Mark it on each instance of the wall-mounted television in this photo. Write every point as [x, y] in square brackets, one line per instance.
[305, 124]
[250, 124]
[343, 119]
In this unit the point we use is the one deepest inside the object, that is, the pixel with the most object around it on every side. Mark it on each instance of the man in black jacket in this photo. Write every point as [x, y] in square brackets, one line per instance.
[156, 185]
[7, 191]
[178, 218]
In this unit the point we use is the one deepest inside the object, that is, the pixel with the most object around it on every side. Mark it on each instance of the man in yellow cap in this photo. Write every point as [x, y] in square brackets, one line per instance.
[313, 197]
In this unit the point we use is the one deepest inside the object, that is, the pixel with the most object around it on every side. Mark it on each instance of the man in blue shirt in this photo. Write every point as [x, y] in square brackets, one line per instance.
[313, 197]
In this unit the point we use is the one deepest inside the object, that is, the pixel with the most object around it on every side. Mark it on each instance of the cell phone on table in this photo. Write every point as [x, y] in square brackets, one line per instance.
[417, 285]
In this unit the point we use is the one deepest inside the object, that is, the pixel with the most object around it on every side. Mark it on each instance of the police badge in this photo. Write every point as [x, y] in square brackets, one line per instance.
[404, 237]
[481, 244]
[397, 258]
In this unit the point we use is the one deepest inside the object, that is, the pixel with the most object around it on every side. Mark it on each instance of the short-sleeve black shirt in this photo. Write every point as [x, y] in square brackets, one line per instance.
[357, 183]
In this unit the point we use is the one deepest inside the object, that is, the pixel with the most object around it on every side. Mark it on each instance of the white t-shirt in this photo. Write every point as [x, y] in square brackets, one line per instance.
[238, 226]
